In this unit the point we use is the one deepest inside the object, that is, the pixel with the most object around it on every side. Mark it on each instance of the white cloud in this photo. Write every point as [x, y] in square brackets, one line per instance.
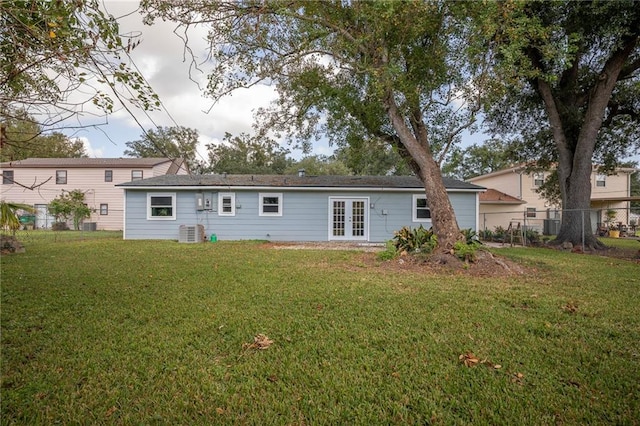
[91, 151]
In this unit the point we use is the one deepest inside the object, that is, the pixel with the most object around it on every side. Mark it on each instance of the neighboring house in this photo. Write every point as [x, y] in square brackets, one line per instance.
[521, 203]
[285, 207]
[37, 181]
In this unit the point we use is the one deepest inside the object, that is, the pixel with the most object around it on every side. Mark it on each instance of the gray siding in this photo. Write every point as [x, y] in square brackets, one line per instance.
[305, 215]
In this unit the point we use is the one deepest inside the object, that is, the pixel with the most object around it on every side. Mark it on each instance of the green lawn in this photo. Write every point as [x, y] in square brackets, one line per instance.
[100, 330]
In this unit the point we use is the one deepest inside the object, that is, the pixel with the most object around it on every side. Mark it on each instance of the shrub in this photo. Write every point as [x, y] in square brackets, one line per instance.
[59, 226]
[418, 240]
[485, 234]
[466, 250]
[390, 252]
[499, 234]
[533, 236]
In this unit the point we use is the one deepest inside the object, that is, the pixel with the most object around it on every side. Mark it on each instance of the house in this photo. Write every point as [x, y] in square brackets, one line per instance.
[37, 181]
[285, 207]
[519, 203]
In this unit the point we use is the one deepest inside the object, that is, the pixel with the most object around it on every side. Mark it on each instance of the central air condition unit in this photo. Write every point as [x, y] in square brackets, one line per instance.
[191, 234]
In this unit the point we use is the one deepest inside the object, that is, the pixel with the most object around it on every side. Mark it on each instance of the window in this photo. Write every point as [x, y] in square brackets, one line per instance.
[538, 179]
[61, 177]
[270, 204]
[136, 175]
[161, 206]
[7, 177]
[421, 212]
[226, 204]
[108, 175]
[601, 180]
[531, 212]
[104, 209]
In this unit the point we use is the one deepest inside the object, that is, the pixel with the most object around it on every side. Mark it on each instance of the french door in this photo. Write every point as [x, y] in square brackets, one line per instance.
[348, 219]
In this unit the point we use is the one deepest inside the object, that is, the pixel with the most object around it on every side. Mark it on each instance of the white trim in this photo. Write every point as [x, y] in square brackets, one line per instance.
[263, 195]
[124, 215]
[414, 209]
[221, 196]
[365, 237]
[161, 194]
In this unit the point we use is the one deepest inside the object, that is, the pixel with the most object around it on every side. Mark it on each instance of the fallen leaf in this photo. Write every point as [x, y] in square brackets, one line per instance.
[469, 359]
[260, 341]
[110, 411]
[220, 410]
[497, 366]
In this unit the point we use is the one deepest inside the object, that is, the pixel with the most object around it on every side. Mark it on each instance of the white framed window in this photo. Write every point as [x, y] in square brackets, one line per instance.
[61, 177]
[226, 204]
[531, 212]
[161, 206]
[270, 204]
[538, 179]
[421, 212]
[7, 177]
[104, 209]
[136, 175]
[108, 175]
[601, 180]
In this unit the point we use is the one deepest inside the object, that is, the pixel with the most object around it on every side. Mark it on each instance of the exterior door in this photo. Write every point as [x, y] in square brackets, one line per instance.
[348, 219]
[43, 219]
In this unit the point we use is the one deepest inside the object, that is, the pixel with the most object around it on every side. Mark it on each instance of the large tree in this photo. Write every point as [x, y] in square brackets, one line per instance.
[58, 56]
[478, 159]
[246, 154]
[385, 70]
[573, 91]
[171, 142]
[24, 138]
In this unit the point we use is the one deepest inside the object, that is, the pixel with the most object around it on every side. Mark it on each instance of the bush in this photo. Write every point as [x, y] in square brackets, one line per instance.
[466, 250]
[390, 252]
[418, 240]
[485, 234]
[59, 226]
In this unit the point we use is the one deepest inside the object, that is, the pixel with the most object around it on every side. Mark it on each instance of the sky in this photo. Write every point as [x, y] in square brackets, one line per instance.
[160, 58]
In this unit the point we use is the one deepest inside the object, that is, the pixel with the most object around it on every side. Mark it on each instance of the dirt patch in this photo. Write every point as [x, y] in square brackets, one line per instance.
[486, 263]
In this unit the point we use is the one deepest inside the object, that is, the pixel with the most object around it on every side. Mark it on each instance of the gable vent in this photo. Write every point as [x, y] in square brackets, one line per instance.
[191, 234]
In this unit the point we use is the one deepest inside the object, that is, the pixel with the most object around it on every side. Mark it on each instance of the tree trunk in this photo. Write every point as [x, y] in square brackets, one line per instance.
[443, 217]
[575, 156]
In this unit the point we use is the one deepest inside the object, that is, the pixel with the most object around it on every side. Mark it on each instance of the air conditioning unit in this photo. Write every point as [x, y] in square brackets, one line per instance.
[191, 234]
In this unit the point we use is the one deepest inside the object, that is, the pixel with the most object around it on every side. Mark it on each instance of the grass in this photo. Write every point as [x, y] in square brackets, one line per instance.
[100, 330]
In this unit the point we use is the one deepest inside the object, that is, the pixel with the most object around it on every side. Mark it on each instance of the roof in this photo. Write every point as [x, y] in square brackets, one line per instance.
[493, 196]
[292, 181]
[522, 168]
[70, 163]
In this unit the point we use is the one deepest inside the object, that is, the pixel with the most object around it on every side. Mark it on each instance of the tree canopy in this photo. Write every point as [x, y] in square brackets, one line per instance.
[24, 138]
[392, 71]
[57, 56]
[172, 142]
[244, 154]
[571, 91]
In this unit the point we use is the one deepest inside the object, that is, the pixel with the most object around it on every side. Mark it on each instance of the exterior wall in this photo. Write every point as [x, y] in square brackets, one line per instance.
[305, 215]
[522, 186]
[89, 180]
[493, 215]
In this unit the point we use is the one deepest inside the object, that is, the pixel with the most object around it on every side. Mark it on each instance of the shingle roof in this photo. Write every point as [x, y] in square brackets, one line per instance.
[84, 162]
[292, 181]
[493, 196]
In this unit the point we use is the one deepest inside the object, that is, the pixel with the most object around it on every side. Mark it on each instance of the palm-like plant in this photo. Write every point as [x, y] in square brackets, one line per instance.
[9, 219]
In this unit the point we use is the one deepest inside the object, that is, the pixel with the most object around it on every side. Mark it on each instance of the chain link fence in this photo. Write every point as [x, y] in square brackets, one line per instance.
[533, 226]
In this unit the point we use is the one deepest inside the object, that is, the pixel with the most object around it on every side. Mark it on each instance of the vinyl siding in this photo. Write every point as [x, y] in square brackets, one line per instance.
[305, 215]
[89, 180]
